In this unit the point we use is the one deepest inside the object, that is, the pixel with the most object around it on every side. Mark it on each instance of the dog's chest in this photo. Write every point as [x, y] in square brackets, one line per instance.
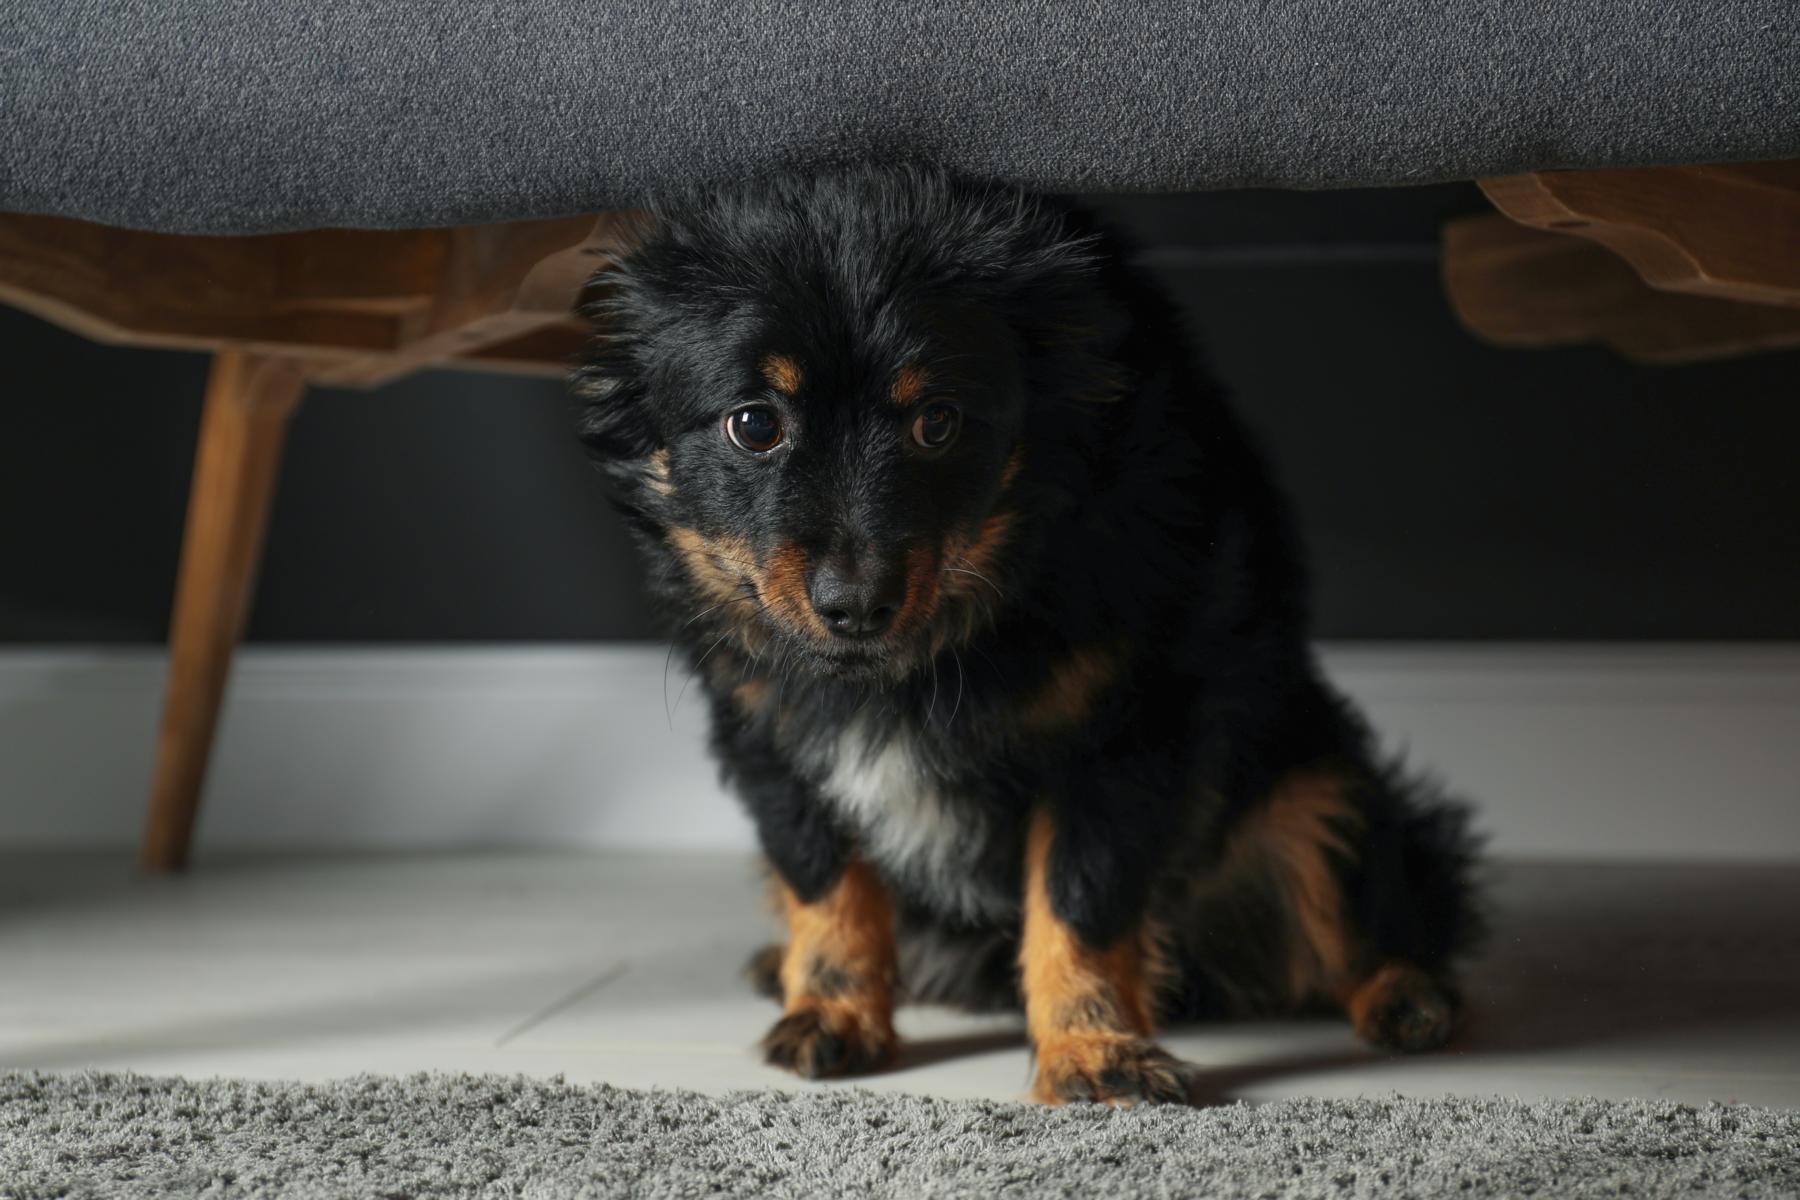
[936, 844]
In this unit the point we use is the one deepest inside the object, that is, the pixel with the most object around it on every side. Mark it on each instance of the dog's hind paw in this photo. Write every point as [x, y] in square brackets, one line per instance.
[1400, 1007]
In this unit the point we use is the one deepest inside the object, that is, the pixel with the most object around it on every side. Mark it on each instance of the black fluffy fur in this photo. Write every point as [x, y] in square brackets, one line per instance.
[1141, 520]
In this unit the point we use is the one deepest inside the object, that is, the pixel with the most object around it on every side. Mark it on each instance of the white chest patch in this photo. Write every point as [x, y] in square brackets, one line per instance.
[909, 827]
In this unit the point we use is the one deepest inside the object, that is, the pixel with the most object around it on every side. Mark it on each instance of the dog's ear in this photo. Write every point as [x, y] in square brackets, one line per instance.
[617, 427]
[1062, 297]
[615, 422]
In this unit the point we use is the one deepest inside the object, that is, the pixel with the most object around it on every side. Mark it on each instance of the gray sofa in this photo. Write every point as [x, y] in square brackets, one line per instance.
[257, 115]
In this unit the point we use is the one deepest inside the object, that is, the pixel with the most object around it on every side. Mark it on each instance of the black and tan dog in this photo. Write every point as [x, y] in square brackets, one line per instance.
[1005, 635]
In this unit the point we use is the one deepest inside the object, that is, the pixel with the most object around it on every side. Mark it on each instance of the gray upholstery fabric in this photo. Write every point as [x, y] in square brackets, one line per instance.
[241, 115]
[456, 1135]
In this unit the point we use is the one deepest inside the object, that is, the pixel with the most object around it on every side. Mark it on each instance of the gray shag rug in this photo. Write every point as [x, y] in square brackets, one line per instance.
[102, 1135]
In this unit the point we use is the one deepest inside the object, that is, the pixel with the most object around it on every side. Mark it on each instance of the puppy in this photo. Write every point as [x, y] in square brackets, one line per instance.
[1004, 631]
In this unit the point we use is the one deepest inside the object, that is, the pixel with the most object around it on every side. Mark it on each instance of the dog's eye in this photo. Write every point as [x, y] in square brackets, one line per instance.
[756, 429]
[937, 426]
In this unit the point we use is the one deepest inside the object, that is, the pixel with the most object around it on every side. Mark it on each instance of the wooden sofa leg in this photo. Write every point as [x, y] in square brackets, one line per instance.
[249, 397]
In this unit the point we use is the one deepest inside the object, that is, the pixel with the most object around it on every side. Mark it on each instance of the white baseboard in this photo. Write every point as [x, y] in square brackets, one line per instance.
[1635, 752]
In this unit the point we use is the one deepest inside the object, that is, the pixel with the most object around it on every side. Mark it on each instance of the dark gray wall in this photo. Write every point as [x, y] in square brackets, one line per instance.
[1448, 490]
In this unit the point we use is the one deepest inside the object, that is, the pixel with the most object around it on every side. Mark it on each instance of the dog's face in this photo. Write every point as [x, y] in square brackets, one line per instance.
[840, 488]
[820, 420]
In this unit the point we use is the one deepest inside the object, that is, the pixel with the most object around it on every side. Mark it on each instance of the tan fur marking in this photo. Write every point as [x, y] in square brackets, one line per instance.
[751, 697]
[977, 553]
[782, 585]
[922, 585]
[967, 588]
[1300, 831]
[782, 372]
[909, 385]
[1082, 1005]
[1067, 697]
[847, 934]
[716, 565]
[722, 572]
[656, 473]
[1015, 462]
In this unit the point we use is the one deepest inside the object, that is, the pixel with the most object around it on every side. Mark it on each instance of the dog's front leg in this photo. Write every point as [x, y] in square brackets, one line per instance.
[835, 972]
[837, 977]
[1088, 969]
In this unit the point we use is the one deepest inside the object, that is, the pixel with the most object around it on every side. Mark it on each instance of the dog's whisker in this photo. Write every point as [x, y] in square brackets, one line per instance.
[719, 556]
[669, 658]
[788, 659]
[697, 665]
[934, 690]
[714, 608]
[957, 707]
[964, 570]
[992, 665]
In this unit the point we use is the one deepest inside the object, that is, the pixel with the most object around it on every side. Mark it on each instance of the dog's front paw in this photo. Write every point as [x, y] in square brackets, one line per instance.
[818, 1042]
[1110, 1068]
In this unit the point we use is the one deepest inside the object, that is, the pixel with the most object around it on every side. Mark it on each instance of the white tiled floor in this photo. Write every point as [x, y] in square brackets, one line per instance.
[1680, 982]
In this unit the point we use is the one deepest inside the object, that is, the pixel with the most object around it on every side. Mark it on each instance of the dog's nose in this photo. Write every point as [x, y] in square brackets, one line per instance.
[856, 603]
